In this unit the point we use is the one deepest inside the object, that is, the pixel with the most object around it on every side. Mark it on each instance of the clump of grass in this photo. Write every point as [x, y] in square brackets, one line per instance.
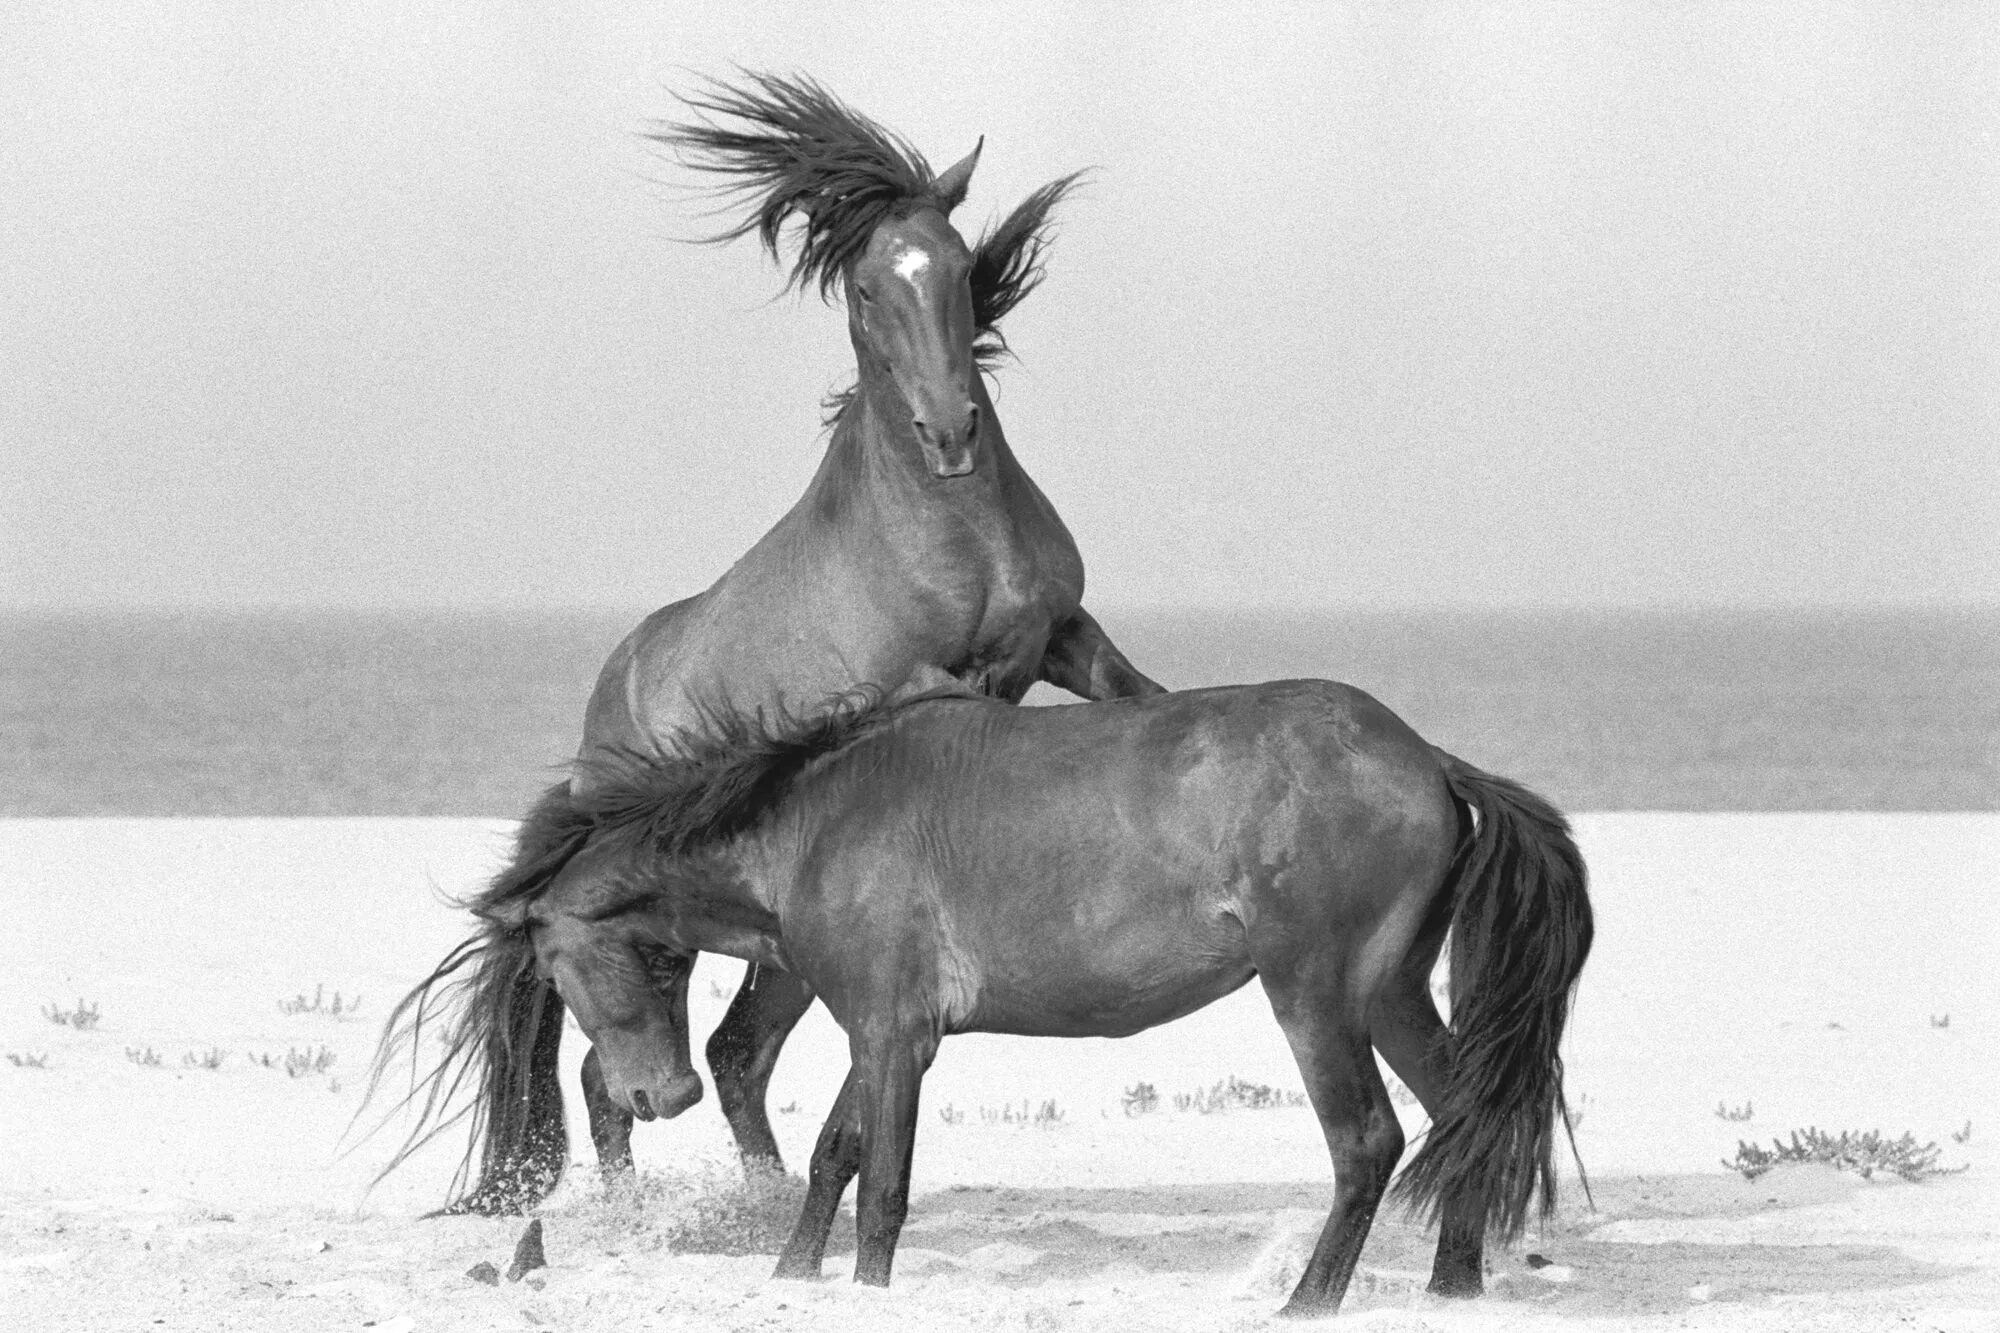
[339, 1007]
[1864, 1154]
[210, 1059]
[711, 1208]
[1736, 1113]
[1940, 1020]
[312, 1060]
[296, 1063]
[1046, 1116]
[1141, 1098]
[146, 1058]
[83, 1018]
[1962, 1135]
[951, 1115]
[1236, 1094]
[23, 1060]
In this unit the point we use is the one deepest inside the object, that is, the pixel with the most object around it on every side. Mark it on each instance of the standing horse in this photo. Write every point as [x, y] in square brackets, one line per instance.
[951, 866]
[921, 558]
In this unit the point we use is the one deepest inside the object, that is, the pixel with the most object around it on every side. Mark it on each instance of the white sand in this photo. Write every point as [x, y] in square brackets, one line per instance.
[1793, 963]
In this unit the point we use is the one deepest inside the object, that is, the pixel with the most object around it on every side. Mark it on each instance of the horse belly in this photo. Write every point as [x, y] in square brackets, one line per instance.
[1108, 985]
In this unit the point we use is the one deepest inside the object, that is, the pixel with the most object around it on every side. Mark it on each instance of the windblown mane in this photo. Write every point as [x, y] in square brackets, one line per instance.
[724, 777]
[796, 148]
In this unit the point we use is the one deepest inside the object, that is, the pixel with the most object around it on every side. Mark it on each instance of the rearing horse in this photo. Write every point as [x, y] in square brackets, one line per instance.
[921, 558]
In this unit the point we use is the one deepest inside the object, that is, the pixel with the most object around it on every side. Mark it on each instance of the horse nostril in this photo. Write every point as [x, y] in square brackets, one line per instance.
[971, 424]
[640, 1106]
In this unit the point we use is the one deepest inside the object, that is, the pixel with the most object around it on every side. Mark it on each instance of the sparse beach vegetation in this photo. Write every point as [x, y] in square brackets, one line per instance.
[338, 1007]
[83, 1018]
[1850, 1150]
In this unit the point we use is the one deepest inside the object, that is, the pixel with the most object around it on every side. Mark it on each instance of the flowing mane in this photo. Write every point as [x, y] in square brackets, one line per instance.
[788, 146]
[796, 148]
[726, 776]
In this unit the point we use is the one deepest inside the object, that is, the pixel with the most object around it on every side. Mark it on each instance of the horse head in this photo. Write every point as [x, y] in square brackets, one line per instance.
[621, 970]
[910, 315]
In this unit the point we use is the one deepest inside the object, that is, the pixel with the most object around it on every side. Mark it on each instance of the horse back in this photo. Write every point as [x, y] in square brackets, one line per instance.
[1100, 868]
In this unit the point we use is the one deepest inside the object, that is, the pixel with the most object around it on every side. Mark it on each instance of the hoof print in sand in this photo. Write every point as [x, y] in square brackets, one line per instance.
[528, 1254]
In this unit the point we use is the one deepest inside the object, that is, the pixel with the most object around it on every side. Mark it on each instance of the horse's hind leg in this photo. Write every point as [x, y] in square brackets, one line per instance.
[610, 1123]
[1417, 1045]
[835, 1159]
[744, 1049]
[1329, 1039]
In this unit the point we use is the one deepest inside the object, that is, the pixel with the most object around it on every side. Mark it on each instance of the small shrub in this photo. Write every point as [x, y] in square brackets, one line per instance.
[22, 1060]
[789, 1108]
[1046, 1116]
[1735, 1113]
[951, 1115]
[266, 1060]
[312, 1060]
[720, 991]
[1864, 1154]
[83, 1018]
[210, 1059]
[1940, 1020]
[1235, 1094]
[1962, 1135]
[1141, 1098]
[145, 1059]
[340, 1007]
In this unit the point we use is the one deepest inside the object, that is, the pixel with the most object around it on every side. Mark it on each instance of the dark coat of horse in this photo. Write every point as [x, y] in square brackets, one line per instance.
[953, 866]
[921, 558]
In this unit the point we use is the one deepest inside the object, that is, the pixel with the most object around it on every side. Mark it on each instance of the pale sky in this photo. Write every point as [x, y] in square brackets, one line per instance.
[1571, 304]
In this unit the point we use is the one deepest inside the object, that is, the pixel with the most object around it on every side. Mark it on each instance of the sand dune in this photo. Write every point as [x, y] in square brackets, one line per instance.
[1797, 967]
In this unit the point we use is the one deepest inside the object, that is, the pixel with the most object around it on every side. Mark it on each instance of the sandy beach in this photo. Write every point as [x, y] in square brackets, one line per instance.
[1829, 970]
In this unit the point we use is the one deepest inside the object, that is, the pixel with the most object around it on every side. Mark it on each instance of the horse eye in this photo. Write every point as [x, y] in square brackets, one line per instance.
[863, 293]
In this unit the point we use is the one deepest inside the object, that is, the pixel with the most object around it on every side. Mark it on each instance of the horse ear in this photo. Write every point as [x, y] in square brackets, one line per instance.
[950, 187]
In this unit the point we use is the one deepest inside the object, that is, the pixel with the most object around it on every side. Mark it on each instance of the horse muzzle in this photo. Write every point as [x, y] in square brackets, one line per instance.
[954, 451]
[663, 1101]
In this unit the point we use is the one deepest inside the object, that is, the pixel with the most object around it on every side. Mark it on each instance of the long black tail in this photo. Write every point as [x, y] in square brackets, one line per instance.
[1521, 929]
[502, 1026]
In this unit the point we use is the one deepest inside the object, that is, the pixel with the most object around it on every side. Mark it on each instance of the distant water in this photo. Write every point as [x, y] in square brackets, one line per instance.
[456, 714]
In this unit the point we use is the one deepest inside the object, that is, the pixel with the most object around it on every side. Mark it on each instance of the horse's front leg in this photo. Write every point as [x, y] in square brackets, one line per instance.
[744, 1049]
[891, 1074]
[833, 1164]
[610, 1123]
[1082, 659]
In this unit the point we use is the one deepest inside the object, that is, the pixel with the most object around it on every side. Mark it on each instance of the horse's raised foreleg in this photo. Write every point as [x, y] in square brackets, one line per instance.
[610, 1123]
[1332, 1049]
[835, 1159]
[744, 1049]
[1082, 659]
[1417, 1045]
[891, 1081]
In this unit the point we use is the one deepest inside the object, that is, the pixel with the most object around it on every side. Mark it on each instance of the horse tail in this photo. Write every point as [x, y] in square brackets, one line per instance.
[1520, 932]
[501, 1029]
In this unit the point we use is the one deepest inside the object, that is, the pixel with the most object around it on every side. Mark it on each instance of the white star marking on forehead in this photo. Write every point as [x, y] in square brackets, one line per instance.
[910, 263]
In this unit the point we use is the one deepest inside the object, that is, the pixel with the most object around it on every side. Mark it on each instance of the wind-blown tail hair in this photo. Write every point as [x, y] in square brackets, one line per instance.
[1520, 932]
[499, 1025]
